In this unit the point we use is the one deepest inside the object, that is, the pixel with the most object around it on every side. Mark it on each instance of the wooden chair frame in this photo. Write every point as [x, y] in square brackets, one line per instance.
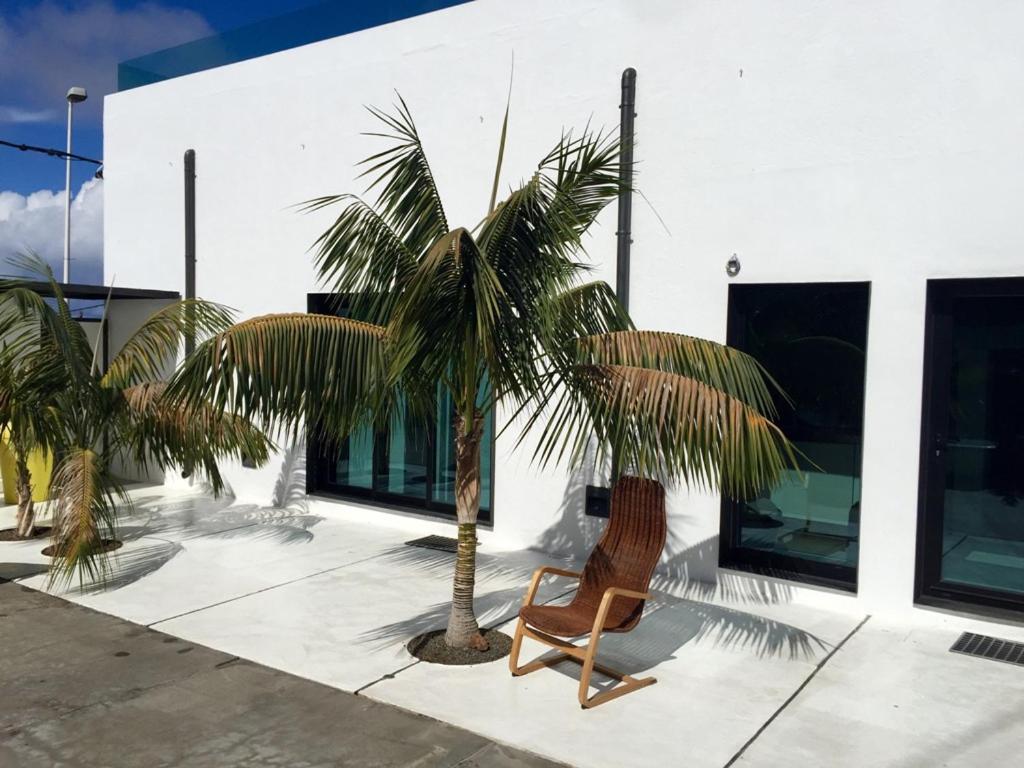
[583, 655]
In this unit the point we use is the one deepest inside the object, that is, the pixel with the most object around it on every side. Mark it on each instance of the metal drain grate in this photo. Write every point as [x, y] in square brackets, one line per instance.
[989, 648]
[440, 543]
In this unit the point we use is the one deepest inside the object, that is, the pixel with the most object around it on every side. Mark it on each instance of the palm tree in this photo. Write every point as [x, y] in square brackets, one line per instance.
[87, 417]
[28, 423]
[500, 315]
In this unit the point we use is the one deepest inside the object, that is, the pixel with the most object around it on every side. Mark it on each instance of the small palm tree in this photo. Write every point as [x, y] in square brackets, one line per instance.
[28, 423]
[87, 417]
[500, 315]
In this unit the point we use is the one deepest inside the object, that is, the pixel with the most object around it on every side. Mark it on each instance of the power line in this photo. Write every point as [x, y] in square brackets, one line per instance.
[51, 152]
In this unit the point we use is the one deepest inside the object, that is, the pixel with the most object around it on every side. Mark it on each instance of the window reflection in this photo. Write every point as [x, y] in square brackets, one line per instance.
[812, 339]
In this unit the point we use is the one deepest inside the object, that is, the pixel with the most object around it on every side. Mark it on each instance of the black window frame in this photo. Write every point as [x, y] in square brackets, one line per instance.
[319, 459]
[833, 575]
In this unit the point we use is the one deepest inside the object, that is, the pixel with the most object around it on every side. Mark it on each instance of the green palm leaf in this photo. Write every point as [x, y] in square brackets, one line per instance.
[284, 371]
[153, 349]
[187, 435]
[407, 195]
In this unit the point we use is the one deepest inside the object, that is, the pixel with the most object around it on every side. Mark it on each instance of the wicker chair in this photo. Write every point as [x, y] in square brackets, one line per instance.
[612, 591]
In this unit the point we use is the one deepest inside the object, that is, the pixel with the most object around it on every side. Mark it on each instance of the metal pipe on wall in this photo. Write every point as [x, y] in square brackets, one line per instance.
[624, 234]
[190, 237]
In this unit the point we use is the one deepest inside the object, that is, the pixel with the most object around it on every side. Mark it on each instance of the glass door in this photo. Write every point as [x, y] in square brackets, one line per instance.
[971, 538]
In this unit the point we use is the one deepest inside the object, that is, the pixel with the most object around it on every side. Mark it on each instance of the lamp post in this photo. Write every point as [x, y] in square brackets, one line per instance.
[75, 95]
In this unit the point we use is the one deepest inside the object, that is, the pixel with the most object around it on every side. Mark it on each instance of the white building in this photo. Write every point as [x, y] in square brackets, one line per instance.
[863, 160]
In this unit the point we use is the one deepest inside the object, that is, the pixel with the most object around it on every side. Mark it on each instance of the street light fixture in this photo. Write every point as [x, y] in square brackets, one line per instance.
[75, 95]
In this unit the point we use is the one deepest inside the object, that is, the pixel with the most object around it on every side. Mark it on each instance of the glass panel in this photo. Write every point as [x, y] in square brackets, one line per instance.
[354, 466]
[444, 467]
[290, 30]
[983, 520]
[413, 459]
[406, 456]
[812, 339]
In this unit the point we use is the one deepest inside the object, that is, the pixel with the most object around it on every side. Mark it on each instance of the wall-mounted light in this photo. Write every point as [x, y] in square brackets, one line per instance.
[732, 266]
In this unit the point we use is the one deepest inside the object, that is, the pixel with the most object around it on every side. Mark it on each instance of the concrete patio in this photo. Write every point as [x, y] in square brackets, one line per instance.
[751, 671]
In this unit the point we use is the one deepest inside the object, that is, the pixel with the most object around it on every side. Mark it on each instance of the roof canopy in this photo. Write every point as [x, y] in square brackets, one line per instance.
[100, 292]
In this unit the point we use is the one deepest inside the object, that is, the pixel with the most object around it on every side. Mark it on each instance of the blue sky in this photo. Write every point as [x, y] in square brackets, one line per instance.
[46, 46]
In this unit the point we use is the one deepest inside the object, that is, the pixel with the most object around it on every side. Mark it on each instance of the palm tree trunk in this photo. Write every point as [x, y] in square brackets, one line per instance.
[463, 630]
[26, 520]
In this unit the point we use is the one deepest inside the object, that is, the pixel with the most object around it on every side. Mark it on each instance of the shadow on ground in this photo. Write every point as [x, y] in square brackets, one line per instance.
[675, 617]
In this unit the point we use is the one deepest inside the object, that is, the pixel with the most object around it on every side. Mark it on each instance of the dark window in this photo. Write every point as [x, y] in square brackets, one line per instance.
[812, 339]
[409, 464]
[971, 537]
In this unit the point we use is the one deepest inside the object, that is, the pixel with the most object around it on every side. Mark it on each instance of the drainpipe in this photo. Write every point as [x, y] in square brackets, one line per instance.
[624, 233]
[598, 499]
[190, 239]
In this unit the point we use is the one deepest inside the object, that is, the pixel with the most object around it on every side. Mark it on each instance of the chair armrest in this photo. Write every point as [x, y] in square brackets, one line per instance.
[539, 574]
[606, 602]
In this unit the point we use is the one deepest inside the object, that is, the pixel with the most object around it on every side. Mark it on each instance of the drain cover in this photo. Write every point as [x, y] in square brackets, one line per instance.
[989, 648]
[440, 543]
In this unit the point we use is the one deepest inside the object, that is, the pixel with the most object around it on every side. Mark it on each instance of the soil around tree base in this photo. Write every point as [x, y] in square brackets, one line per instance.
[108, 545]
[11, 534]
[431, 647]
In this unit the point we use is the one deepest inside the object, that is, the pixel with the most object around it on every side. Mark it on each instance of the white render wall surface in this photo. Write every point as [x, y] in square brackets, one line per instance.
[819, 141]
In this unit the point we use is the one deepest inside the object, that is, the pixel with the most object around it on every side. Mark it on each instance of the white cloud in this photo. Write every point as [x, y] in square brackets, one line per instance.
[20, 115]
[35, 222]
[47, 47]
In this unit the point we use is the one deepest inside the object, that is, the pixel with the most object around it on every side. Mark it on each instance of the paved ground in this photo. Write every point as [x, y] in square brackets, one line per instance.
[751, 671]
[81, 688]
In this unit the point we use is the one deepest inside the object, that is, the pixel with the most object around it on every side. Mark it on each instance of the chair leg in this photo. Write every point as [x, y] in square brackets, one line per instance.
[517, 643]
[533, 666]
[588, 668]
[627, 684]
[586, 656]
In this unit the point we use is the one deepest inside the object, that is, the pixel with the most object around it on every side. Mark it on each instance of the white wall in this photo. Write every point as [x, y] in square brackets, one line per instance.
[124, 318]
[819, 141]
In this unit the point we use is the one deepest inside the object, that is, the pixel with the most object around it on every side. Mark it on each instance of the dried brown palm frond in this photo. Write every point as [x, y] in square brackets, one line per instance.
[84, 509]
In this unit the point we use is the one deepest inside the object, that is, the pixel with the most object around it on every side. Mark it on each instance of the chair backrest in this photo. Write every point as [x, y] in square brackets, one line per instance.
[628, 550]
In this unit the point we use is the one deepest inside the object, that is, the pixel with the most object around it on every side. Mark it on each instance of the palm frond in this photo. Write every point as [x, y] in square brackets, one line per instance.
[362, 258]
[584, 311]
[408, 199]
[58, 327]
[152, 350]
[450, 312]
[717, 365]
[197, 436]
[581, 176]
[282, 371]
[84, 508]
[664, 424]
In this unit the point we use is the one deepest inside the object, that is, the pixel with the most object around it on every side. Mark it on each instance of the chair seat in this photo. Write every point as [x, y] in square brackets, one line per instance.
[571, 620]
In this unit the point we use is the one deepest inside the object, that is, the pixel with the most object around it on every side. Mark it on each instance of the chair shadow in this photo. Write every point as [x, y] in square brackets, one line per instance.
[679, 614]
[670, 623]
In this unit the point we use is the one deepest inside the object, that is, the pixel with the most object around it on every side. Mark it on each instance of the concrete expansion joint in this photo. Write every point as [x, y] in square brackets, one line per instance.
[792, 697]
[388, 676]
[259, 591]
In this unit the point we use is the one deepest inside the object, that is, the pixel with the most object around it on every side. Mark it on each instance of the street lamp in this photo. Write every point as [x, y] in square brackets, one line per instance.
[75, 95]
